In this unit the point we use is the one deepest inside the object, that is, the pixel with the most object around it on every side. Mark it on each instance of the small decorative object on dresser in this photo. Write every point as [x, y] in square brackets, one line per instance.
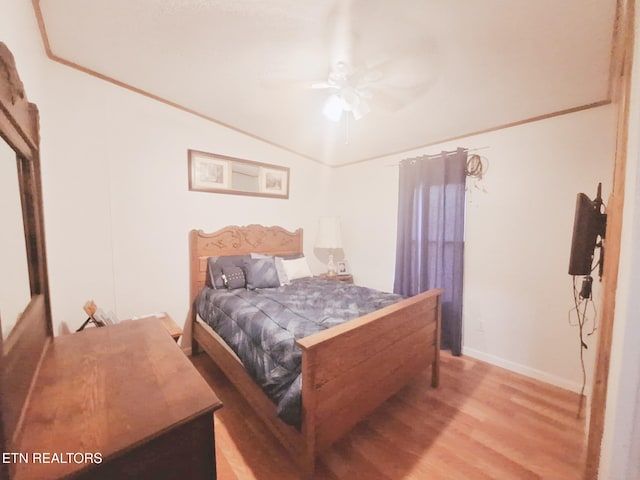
[343, 267]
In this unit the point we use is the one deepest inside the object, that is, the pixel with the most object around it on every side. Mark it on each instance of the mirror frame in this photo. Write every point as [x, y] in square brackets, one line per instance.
[21, 351]
[19, 127]
[222, 183]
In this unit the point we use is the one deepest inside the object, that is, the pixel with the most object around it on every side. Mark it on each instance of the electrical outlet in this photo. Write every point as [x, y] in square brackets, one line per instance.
[480, 326]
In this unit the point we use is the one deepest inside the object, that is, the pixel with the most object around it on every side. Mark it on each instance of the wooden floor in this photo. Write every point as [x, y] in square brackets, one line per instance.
[482, 422]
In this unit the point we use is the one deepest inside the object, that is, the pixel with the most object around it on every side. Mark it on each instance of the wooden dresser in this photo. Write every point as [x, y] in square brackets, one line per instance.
[125, 393]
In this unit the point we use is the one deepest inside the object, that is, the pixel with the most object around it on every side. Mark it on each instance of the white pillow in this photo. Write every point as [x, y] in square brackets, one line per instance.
[297, 268]
[282, 274]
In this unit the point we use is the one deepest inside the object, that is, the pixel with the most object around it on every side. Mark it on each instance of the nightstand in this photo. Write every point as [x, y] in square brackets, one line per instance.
[339, 278]
[172, 327]
[167, 322]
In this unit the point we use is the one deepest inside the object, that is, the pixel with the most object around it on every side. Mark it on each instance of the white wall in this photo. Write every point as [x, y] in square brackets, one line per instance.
[116, 199]
[517, 292]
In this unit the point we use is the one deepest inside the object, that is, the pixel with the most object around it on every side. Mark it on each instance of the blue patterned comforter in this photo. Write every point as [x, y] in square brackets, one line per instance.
[262, 325]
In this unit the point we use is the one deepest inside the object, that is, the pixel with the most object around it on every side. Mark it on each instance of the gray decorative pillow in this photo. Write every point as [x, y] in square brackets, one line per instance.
[214, 274]
[234, 277]
[214, 268]
[261, 273]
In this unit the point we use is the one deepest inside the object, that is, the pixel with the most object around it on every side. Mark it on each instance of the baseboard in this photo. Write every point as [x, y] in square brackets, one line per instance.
[524, 370]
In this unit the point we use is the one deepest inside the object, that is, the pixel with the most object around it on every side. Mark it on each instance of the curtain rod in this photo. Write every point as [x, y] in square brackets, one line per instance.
[436, 155]
[444, 152]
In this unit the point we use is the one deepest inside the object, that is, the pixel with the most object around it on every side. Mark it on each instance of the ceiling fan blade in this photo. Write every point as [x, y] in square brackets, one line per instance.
[409, 66]
[370, 76]
[360, 109]
[393, 99]
[340, 35]
[385, 101]
[290, 84]
[320, 85]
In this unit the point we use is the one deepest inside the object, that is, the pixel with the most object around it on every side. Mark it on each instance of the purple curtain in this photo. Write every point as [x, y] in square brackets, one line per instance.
[430, 243]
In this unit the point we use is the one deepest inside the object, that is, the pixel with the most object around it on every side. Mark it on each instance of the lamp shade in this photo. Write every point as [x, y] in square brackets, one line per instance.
[329, 235]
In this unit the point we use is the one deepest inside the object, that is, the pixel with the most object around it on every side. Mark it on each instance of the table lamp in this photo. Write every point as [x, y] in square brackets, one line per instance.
[329, 238]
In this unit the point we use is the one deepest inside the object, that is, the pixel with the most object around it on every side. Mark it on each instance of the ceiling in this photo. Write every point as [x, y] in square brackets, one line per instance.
[435, 69]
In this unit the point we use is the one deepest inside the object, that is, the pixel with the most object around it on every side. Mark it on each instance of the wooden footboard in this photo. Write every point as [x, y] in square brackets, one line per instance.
[350, 369]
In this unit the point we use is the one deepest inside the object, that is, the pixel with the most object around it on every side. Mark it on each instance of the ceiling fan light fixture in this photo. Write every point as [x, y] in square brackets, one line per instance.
[349, 92]
[333, 108]
[360, 109]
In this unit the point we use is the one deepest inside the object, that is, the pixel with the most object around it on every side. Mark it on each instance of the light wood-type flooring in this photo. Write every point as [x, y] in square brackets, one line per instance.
[481, 422]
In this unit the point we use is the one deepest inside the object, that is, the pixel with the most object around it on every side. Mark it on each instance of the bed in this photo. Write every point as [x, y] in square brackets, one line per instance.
[347, 370]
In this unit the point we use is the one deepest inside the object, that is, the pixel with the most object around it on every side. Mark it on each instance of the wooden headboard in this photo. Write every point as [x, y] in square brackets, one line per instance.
[235, 240]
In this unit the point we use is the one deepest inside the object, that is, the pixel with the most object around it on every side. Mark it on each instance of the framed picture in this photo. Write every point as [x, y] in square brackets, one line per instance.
[208, 172]
[274, 181]
[342, 267]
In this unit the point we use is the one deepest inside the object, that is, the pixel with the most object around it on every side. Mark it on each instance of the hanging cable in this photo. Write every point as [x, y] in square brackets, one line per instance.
[476, 169]
[475, 166]
[582, 299]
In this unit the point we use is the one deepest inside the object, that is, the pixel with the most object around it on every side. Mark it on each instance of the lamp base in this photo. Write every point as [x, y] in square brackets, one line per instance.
[332, 271]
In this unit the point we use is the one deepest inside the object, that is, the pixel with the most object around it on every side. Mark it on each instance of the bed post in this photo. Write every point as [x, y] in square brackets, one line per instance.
[193, 287]
[435, 366]
[195, 347]
[309, 400]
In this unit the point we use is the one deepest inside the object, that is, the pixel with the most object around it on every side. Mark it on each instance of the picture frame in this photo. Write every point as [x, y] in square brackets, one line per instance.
[207, 172]
[214, 173]
[274, 181]
[342, 267]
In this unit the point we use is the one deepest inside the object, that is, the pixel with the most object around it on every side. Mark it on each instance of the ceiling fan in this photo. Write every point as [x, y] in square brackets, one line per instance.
[350, 88]
[367, 72]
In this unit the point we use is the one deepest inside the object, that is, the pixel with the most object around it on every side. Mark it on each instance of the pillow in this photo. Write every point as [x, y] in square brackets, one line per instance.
[282, 273]
[297, 268]
[214, 268]
[214, 274]
[261, 273]
[234, 277]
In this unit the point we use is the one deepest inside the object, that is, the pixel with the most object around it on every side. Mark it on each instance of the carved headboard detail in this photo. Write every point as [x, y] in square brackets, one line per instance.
[236, 240]
[19, 118]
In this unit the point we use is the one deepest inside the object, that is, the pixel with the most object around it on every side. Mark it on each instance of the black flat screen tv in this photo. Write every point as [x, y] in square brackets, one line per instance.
[589, 223]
